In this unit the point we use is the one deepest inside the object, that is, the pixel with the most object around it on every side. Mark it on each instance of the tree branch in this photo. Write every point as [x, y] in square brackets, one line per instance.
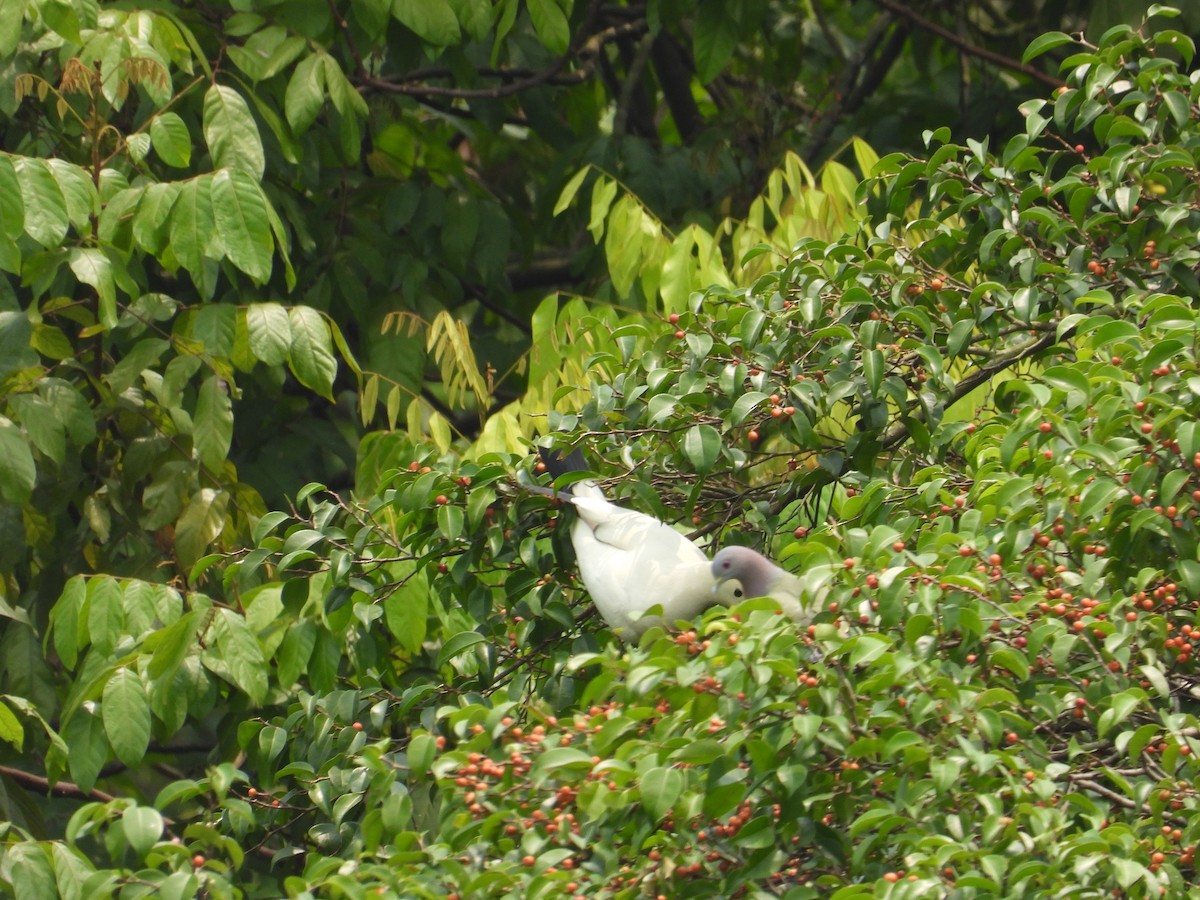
[584, 50]
[1005, 62]
[899, 432]
[58, 789]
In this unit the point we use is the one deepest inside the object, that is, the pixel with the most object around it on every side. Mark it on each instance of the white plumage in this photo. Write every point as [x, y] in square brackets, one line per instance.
[631, 562]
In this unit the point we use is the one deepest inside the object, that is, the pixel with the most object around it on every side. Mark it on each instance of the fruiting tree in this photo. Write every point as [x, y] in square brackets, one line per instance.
[963, 407]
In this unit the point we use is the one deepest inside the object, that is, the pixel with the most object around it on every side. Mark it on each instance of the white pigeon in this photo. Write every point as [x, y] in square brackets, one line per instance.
[630, 562]
[756, 576]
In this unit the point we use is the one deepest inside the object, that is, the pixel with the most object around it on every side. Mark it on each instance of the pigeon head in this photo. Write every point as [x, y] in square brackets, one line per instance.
[751, 569]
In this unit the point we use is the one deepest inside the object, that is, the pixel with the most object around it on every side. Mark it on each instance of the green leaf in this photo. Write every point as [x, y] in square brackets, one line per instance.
[193, 227]
[237, 655]
[12, 17]
[346, 100]
[125, 709]
[744, 405]
[272, 741]
[143, 827]
[873, 370]
[240, 212]
[431, 20]
[105, 613]
[28, 869]
[550, 24]
[201, 522]
[45, 206]
[458, 645]
[10, 728]
[145, 354]
[64, 620]
[1045, 43]
[270, 332]
[406, 610]
[714, 37]
[570, 190]
[305, 93]
[63, 18]
[960, 334]
[171, 647]
[231, 132]
[172, 142]
[78, 191]
[311, 355]
[1121, 706]
[1095, 499]
[93, 268]
[152, 220]
[421, 752]
[661, 787]
[702, 446]
[88, 746]
[213, 423]
[18, 473]
[15, 336]
[450, 519]
[12, 208]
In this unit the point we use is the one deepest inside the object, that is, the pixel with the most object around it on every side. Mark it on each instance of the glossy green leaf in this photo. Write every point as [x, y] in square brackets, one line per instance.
[45, 207]
[305, 93]
[432, 20]
[702, 446]
[240, 214]
[143, 827]
[459, 644]
[231, 132]
[310, 356]
[213, 423]
[125, 710]
[238, 656]
[550, 24]
[172, 141]
[11, 731]
[661, 788]
[270, 332]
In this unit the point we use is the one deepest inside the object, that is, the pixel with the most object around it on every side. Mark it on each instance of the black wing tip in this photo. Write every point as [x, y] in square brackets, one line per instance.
[558, 464]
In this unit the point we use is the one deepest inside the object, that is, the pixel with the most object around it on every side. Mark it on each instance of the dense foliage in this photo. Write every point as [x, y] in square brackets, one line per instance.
[957, 392]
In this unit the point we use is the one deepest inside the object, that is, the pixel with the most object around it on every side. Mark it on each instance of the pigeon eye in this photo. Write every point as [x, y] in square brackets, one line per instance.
[737, 592]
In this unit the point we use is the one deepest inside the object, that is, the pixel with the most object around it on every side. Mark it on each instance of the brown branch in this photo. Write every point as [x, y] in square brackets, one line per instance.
[899, 432]
[584, 49]
[57, 789]
[1005, 62]
[546, 76]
